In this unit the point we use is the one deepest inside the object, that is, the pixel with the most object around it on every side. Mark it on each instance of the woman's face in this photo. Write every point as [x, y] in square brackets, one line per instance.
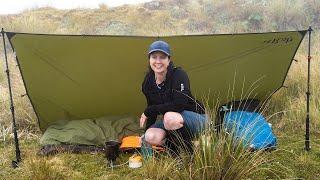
[159, 62]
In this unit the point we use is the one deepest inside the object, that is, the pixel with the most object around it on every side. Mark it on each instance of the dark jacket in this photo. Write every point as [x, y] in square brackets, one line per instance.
[174, 94]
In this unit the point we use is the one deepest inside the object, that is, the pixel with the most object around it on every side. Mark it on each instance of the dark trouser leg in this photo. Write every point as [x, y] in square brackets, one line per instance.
[180, 140]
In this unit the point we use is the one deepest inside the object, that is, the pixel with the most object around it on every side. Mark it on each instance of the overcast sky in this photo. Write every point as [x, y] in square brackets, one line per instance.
[16, 6]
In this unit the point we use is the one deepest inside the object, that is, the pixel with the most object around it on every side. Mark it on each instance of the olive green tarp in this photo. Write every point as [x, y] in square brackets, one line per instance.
[70, 77]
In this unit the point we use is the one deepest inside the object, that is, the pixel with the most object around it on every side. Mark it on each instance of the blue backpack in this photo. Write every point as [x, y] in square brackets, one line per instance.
[250, 127]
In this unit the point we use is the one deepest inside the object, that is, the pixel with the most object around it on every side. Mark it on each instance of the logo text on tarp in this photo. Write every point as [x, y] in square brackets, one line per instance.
[281, 40]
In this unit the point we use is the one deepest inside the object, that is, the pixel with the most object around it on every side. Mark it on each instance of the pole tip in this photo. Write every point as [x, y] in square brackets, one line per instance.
[14, 164]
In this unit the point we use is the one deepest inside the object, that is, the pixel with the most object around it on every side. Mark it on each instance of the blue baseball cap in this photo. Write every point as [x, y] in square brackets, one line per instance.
[159, 46]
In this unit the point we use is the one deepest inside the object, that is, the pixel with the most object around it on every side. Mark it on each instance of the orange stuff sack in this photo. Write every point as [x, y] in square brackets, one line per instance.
[134, 142]
[130, 142]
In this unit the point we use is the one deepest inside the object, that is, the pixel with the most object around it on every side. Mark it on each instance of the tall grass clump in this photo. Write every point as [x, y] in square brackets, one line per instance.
[221, 157]
[224, 155]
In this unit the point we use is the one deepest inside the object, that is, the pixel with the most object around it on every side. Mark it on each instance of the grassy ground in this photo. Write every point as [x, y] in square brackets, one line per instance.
[290, 158]
[286, 109]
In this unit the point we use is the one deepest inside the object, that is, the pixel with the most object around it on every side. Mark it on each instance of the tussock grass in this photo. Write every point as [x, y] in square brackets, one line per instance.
[220, 157]
[226, 155]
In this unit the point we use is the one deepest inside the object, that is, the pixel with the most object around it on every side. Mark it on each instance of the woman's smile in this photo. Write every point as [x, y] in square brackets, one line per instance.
[158, 66]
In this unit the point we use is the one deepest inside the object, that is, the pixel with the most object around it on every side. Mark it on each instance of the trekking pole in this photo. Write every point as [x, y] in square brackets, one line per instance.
[14, 127]
[307, 138]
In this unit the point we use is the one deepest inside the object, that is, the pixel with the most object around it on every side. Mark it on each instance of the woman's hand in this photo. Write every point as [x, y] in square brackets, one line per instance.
[143, 119]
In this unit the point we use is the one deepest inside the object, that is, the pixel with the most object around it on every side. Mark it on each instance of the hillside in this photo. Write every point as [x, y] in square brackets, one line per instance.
[170, 17]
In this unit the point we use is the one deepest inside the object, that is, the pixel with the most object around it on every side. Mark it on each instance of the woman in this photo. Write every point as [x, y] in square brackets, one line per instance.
[167, 91]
